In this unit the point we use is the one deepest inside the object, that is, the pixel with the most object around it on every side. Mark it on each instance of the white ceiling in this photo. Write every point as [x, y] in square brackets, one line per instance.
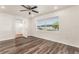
[43, 9]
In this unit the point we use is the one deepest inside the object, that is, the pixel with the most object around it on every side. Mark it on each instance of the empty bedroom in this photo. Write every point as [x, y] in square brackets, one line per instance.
[39, 29]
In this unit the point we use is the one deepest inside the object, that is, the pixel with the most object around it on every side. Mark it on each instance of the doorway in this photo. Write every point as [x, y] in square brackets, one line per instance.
[19, 27]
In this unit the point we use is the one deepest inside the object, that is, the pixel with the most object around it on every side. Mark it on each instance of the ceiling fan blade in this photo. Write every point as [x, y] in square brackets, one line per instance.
[23, 10]
[24, 6]
[35, 11]
[34, 7]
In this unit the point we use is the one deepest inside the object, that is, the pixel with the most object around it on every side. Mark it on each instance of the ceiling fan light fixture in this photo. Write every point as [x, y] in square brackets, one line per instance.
[29, 13]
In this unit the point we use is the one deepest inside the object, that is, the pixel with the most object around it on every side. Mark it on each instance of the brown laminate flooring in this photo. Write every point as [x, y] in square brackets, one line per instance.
[33, 45]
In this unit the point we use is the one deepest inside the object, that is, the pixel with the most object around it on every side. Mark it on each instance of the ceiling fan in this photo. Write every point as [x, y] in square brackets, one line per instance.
[29, 9]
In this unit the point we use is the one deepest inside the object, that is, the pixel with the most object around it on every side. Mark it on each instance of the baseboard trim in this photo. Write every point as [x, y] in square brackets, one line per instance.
[56, 41]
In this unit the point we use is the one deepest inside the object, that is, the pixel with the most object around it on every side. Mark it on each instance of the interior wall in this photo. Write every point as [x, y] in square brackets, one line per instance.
[69, 27]
[7, 26]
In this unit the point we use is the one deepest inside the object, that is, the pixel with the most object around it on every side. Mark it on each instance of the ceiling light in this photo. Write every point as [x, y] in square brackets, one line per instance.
[3, 7]
[55, 7]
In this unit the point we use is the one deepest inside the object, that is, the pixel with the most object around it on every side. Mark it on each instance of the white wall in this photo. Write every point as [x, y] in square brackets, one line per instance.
[7, 26]
[69, 27]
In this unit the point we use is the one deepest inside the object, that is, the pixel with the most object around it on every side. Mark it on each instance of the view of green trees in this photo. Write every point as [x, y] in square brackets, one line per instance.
[56, 25]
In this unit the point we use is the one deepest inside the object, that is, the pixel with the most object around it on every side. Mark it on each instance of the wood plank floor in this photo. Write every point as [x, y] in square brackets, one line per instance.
[33, 45]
